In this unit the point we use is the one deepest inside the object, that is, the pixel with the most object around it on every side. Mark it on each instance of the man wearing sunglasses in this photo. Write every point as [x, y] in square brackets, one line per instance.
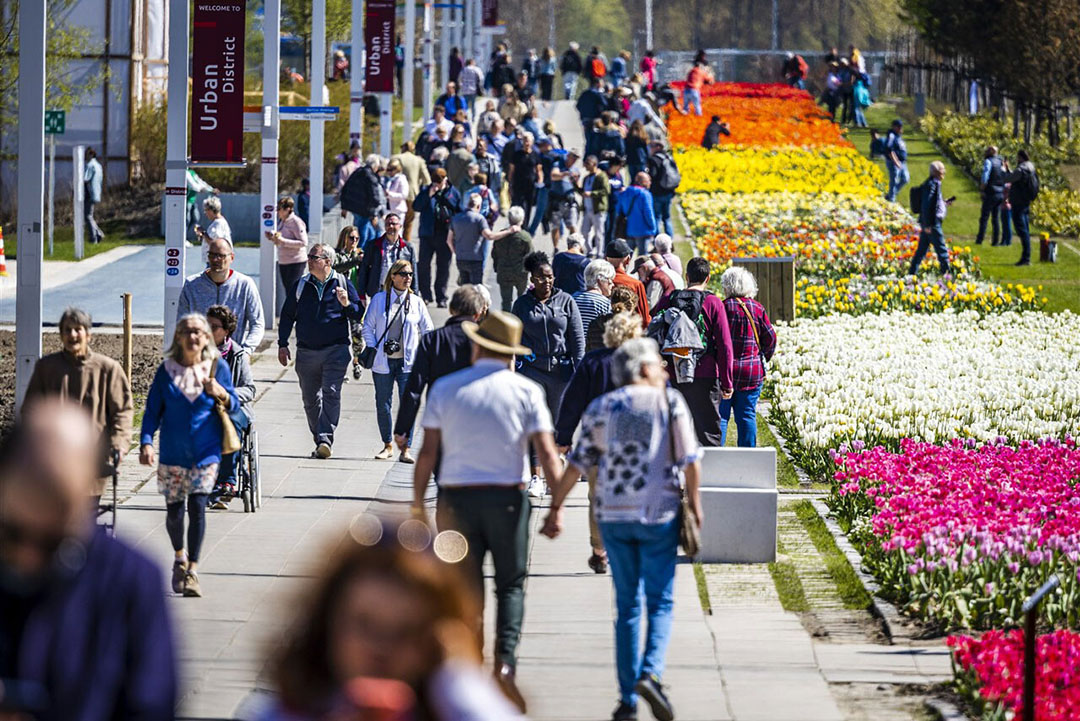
[84, 632]
[320, 308]
[219, 284]
[381, 254]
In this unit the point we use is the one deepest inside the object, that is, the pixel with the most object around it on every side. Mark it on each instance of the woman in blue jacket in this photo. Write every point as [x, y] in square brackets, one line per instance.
[181, 401]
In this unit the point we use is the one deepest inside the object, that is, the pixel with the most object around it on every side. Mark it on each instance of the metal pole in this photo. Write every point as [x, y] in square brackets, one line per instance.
[552, 41]
[127, 334]
[409, 71]
[429, 56]
[468, 50]
[386, 123]
[775, 24]
[31, 192]
[52, 188]
[317, 127]
[176, 162]
[456, 26]
[478, 40]
[444, 47]
[648, 24]
[77, 170]
[356, 74]
[268, 171]
[1030, 609]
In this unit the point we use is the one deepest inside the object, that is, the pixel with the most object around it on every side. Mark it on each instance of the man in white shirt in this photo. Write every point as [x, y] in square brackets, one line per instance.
[438, 120]
[641, 109]
[218, 229]
[481, 420]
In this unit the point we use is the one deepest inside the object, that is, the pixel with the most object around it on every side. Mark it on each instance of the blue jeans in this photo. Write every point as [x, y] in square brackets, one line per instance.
[641, 556]
[745, 405]
[539, 210]
[384, 396]
[931, 236]
[569, 82]
[1020, 222]
[991, 210]
[898, 178]
[662, 211]
[368, 230]
[860, 116]
[227, 467]
[691, 96]
[640, 243]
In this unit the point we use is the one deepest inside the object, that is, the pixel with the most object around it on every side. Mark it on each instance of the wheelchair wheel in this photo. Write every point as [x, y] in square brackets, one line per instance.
[253, 466]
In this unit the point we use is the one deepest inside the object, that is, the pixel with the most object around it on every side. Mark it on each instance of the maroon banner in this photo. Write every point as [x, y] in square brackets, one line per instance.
[217, 81]
[379, 41]
[490, 13]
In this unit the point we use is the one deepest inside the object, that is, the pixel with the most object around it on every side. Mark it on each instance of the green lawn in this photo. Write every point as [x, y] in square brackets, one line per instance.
[64, 242]
[1060, 281]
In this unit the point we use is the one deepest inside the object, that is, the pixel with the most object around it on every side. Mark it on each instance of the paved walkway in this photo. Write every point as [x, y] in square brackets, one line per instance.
[746, 662]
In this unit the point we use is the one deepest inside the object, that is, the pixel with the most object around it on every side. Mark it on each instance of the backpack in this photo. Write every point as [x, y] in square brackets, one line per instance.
[679, 331]
[596, 66]
[668, 172]
[444, 211]
[303, 282]
[1024, 192]
[915, 197]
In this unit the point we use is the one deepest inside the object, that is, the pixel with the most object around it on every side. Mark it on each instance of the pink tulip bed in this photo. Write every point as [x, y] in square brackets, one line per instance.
[959, 535]
[990, 674]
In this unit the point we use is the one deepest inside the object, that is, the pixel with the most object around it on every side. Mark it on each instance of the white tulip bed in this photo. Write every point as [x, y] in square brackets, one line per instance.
[841, 381]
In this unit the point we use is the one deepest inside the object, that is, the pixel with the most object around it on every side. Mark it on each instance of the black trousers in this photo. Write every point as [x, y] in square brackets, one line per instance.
[703, 399]
[437, 247]
[494, 520]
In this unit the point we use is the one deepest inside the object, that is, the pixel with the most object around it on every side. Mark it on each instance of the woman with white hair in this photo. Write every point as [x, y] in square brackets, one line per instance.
[182, 403]
[594, 302]
[753, 342]
[663, 244]
[640, 439]
[218, 229]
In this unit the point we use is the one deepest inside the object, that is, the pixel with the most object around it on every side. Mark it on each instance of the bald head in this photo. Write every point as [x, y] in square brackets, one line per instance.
[47, 466]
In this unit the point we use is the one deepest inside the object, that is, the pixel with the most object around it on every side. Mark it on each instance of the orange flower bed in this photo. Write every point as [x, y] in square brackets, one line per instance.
[761, 120]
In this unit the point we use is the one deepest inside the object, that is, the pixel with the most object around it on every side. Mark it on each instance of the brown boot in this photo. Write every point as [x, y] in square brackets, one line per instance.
[505, 677]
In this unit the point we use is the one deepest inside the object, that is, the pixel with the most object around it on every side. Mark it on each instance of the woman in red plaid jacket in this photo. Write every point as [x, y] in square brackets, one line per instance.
[753, 341]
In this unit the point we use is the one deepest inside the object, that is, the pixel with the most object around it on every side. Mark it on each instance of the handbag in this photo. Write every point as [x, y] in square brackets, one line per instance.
[230, 439]
[367, 356]
[689, 533]
[623, 221]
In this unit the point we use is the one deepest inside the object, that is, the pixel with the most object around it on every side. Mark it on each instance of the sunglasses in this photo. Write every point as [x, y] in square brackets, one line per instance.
[404, 273]
[316, 257]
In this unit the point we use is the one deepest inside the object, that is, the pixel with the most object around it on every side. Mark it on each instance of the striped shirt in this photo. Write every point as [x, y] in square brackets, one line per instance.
[590, 306]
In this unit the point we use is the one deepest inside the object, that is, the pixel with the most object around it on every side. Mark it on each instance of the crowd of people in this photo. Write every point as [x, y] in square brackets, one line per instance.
[608, 361]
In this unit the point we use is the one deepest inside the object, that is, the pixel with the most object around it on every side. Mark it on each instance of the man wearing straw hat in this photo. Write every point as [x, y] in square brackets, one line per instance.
[482, 485]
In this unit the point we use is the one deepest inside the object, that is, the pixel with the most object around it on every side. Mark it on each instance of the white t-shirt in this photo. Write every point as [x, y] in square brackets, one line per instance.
[486, 414]
[218, 229]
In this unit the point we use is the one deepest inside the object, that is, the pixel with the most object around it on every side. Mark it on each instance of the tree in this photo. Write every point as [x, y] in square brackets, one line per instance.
[66, 83]
[296, 20]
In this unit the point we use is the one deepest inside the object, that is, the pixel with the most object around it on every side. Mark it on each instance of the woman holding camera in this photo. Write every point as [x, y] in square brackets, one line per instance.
[394, 322]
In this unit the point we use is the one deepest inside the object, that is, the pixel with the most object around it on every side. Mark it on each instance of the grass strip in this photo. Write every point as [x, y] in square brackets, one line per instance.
[843, 575]
[702, 589]
[786, 579]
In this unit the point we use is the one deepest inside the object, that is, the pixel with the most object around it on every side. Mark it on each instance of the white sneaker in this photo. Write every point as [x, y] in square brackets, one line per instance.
[537, 487]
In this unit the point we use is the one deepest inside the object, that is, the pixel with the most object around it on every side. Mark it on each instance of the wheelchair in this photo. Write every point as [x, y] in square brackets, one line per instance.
[247, 470]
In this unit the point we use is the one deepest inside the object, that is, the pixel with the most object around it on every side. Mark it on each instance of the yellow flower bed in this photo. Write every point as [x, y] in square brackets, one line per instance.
[742, 169]
[859, 294]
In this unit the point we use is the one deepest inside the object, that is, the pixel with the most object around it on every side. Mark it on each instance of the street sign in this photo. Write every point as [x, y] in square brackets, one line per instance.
[54, 122]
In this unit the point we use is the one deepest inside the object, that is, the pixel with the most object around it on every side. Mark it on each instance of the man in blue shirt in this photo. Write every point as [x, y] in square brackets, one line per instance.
[569, 266]
[931, 214]
[992, 184]
[636, 205]
[896, 159]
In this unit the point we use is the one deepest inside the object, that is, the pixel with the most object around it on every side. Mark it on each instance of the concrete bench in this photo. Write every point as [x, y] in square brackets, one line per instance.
[739, 499]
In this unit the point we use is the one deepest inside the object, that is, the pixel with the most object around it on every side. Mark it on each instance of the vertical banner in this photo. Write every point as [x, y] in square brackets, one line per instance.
[379, 38]
[490, 13]
[217, 81]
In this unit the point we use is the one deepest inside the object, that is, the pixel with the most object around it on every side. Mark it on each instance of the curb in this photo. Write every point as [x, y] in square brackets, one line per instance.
[945, 710]
[805, 484]
[888, 613]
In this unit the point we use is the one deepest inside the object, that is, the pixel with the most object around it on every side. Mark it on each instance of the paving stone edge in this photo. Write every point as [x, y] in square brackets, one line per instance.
[886, 611]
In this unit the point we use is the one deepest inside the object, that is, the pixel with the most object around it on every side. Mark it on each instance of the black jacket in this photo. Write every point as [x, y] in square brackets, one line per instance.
[371, 266]
[591, 379]
[362, 193]
[591, 104]
[439, 353]
[571, 62]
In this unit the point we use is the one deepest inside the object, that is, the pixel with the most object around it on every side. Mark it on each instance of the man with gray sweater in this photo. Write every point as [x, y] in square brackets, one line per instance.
[219, 284]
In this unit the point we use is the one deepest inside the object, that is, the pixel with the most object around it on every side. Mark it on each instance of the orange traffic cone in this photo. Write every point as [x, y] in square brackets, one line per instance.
[3, 260]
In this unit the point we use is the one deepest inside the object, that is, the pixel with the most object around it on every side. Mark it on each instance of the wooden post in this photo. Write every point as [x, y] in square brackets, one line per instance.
[127, 335]
[776, 284]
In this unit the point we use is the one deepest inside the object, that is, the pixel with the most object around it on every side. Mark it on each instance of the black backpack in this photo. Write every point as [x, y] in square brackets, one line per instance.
[1023, 192]
[667, 177]
[915, 197]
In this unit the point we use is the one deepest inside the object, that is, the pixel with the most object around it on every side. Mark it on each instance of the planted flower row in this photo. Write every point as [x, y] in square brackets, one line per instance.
[959, 535]
[858, 294]
[990, 674]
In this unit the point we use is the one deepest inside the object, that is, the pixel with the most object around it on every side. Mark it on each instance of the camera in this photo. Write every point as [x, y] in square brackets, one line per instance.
[392, 346]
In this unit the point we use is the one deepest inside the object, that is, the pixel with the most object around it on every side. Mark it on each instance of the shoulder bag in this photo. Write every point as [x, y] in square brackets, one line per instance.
[367, 356]
[753, 327]
[622, 222]
[689, 533]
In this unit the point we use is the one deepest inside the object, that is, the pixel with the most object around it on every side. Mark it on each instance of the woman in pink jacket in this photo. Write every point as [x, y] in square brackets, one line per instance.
[291, 240]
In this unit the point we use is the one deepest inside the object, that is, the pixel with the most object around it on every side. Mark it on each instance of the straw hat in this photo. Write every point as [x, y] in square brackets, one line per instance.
[500, 333]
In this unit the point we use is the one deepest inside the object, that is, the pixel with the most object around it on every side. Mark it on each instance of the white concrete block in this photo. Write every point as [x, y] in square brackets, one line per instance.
[739, 468]
[739, 525]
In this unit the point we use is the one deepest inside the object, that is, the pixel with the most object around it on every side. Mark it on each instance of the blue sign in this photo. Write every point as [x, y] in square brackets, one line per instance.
[309, 109]
[172, 271]
[268, 223]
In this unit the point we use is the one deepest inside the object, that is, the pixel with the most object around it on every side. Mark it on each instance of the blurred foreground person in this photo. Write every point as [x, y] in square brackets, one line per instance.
[385, 633]
[84, 635]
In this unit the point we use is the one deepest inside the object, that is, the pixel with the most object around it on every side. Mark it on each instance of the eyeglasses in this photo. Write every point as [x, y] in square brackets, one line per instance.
[217, 256]
[316, 257]
[404, 273]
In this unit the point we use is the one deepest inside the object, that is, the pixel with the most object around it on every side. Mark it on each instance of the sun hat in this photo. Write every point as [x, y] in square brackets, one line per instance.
[500, 333]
